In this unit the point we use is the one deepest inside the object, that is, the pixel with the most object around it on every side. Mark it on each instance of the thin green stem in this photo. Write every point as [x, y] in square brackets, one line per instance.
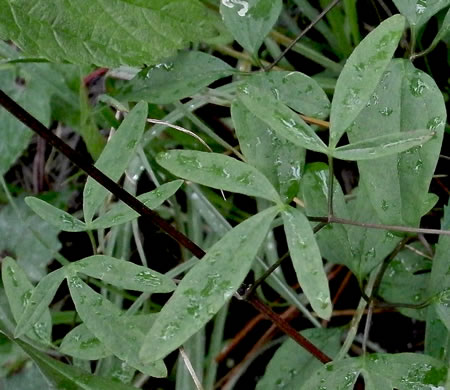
[330, 187]
[92, 240]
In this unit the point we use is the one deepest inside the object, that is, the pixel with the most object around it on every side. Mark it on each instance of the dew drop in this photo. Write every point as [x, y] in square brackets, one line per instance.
[67, 220]
[75, 282]
[386, 111]
[147, 278]
[384, 205]
[417, 87]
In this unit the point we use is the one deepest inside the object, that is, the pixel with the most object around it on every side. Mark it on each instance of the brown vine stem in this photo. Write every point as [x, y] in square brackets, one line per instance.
[83, 163]
[302, 34]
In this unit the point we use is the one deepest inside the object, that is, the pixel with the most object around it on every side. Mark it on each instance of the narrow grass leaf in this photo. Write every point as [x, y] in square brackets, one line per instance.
[384, 145]
[307, 261]
[121, 213]
[38, 302]
[115, 158]
[178, 77]
[207, 286]
[103, 319]
[19, 289]
[361, 74]
[123, 274]
[250, 21]
[285, 122]
[218, 171]
[55, 216]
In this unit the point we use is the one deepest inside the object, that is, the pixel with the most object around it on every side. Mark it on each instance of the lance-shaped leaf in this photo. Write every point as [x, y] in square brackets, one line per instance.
[218, 171]
[115, 158]
[307, 261]
[64, 376]
[418, 12]
[361, 74]
[401, 371]
[18, 289]
[406, 98]
[123, 274]
[103, 319]
[121, 213]
[384, 145]
[292, 365]
[55, 216]
[285, 122]
[132, 32]
[175, 79]
[250, 21]
[297, 90]
[280, 160]
[207, 286]
[38, 302]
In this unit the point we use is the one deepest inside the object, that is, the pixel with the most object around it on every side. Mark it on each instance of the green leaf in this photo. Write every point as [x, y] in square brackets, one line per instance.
[28, 378]
[217, 171]
[115, 158]
[38, 302]
[207, 286]
[54, 216]
[177, 78]
[405, 99]
[297, 90]
[63, 376]
[437, 336]
[103, 319]
[132, 32]
[307, 261]
[403, 371]
[18, 289]
[123, 274]
[14, 135]
[250, 21]
[418, 12]
[280, 160]
[384, 145]
[361, 74]
[285, 122]
[292, 365]
[121, 213]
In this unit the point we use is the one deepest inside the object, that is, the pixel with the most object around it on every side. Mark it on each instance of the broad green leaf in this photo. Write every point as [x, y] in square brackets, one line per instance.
[123, 274]
[361, 74]
[217, 171]
[177, 78]
[405, 99]
[15, 136]
[291, 365]
[103, 319]
[418, 12]
[64, 376]
[54, 216]
[27, 238]
[280, 160]
[132, 33]
[297, 90]
[38, 302]
[437, 337]
[307, 261]
[121, 213]
[207, 286]
[285, 122]
[115, 158]
[18, 289]
[28, 378]
[403, 371]
[384, 145]
[250, 21]
[406, 279]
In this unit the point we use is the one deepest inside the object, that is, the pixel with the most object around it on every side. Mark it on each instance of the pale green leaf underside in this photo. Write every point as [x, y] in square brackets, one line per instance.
[307, 261]
[418, 12]
[218, 171]
[123, 274]
[103, 319]
[250, 21]
[285, 122]
[361, 74]
[177, 78]
[104, 32]
[207, 286]
[115, 158]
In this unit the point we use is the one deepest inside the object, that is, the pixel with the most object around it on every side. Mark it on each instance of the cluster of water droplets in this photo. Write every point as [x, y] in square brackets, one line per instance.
[244, 6]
